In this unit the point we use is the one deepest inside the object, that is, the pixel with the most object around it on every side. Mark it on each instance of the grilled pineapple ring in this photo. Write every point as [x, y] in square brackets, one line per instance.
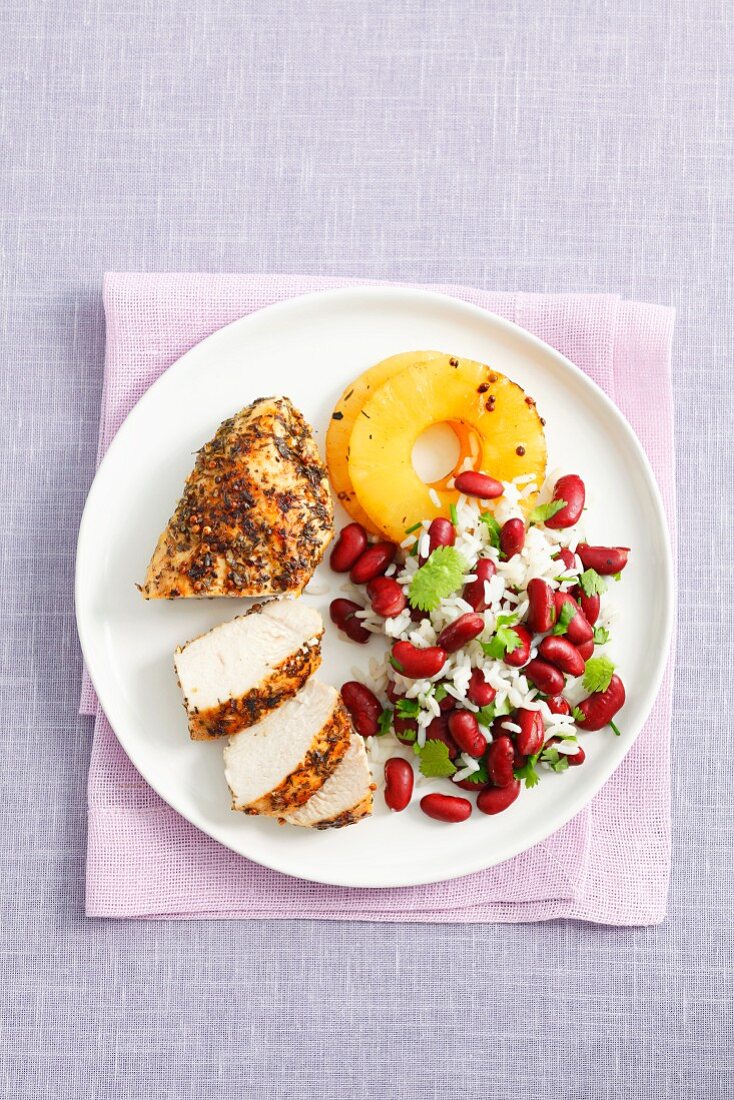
[344, 417]
[483, 407]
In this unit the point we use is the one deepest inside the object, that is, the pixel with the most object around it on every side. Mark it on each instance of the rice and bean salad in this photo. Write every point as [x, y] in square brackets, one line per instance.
[498, 627]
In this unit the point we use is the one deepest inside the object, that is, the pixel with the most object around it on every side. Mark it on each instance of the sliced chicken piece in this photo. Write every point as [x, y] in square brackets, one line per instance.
[275, 766]
[255, 516]
[241, 670]
[344, 799]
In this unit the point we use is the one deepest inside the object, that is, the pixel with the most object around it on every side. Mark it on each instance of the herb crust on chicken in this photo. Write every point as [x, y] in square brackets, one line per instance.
[256, 515]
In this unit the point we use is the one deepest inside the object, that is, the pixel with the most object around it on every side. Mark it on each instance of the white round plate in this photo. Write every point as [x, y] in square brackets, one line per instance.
[309, 348]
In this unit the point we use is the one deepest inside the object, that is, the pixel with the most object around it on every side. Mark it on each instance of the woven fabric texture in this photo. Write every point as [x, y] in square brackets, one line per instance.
[610, 864]
[574, 146]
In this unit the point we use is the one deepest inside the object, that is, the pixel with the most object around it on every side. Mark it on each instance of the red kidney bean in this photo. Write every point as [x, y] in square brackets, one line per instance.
[501, 761]
[493, 800]
[405, 730]
[465, 731]
[568, 559]
[352, 542]
[363, 706]
[606, 560]
[542, 606]
[520, 655]
[474, 484]
[479, 691]
[473, 592]
[498, 729]
[573, 761]
[441, 533]
[418, 664]
[530, 738]
[590, 605]
[460, 632]
[446, 807]
[599, 709]
[561, 653]
[558, 705]
[571, 489]
[467, 785]
[386, 596]
[519, 760]
[372, 563]
[578, 629]
[447, 704]
[512, 537]
[343, 613]
[398, 783]
[438, 730]
[393, 694]
[547, 678]
[417, 616]
[586, 649]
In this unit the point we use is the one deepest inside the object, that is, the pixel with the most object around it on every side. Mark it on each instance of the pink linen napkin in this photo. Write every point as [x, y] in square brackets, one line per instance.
[609, 865]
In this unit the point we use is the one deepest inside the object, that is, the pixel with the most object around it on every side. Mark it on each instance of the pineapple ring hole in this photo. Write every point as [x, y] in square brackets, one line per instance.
[441, 449]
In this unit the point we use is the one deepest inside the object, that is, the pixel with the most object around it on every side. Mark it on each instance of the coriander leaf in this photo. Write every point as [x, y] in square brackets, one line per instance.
[578, 715]
[439, 693]
[505, 640]
[435, 762]
[598, 675]
[453, 514]
[546, 511]
[617, 576]
[409, 735]
[415, 527]
[408, 708]
[494, 649]
[441, 575]
[479, 776]
[557, 761]
[527, 771]
[503, 707]
[601, 635]
[567, 613]
[493, 527]
[592, 583]
[487, 715]
[385, 721]
[550, 755]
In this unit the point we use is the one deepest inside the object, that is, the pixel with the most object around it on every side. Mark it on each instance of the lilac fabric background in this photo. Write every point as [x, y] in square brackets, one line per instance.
[575, 146]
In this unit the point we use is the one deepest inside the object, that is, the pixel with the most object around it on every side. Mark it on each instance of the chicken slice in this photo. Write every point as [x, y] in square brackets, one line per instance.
[234, 674]
[275, 766]
[255, 516]
[344, 799]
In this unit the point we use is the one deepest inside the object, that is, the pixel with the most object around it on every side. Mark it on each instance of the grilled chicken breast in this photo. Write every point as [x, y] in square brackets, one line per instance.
[278, 764]
[234, 674]
[344, 799]
[255, 516]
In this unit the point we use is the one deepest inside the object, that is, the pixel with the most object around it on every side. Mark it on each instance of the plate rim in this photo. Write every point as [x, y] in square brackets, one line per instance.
[354, 295]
